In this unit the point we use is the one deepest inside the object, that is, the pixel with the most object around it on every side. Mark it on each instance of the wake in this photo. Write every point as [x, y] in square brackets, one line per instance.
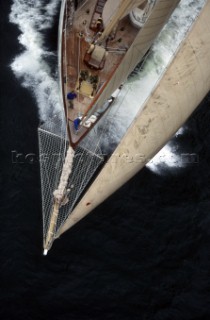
[32, 68]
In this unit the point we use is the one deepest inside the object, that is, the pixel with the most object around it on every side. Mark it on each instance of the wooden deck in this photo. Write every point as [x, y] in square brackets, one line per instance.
[77, 42]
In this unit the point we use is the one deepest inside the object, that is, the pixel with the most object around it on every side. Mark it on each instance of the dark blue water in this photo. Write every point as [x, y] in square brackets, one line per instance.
[143, 254]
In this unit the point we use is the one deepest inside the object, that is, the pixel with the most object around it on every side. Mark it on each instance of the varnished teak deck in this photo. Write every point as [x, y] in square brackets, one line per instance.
[74, 50]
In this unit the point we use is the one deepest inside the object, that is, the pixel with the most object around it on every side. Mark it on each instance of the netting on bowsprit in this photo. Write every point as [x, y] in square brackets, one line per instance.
[53, 145]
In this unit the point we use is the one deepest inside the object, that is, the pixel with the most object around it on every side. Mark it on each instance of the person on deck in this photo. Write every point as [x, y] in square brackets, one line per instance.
[71, 96]
[77, 124]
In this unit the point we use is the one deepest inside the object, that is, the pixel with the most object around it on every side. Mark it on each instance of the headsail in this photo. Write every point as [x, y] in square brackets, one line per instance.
[180, 90]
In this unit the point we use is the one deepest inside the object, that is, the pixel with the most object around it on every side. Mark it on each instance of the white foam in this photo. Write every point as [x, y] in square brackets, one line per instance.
[179, 25]
[168, 157]
[30, 66]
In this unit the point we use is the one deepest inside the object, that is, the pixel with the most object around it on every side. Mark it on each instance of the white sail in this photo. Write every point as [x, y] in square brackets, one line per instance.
[179, 92]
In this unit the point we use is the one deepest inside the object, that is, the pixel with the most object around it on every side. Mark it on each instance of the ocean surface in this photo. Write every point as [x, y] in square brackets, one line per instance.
[144, 254]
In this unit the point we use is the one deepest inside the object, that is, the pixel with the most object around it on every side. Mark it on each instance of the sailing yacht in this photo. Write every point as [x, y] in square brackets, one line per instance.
[100, 43]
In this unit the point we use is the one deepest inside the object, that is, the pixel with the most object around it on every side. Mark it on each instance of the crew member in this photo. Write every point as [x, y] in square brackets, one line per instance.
[77, 124]
[71, 96]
